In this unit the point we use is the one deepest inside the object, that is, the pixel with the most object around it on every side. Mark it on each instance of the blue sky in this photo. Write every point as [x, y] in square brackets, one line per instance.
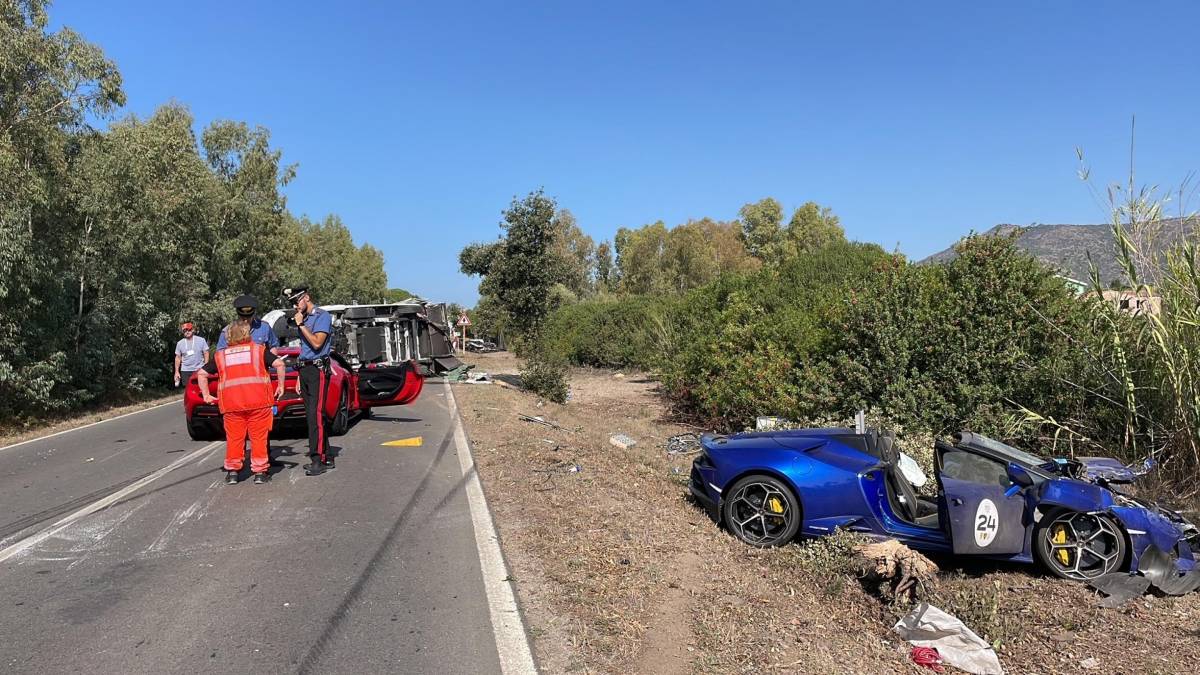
[914, 122]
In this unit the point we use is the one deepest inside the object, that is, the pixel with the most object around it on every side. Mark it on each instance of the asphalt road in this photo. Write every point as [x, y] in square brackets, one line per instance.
[372, 567]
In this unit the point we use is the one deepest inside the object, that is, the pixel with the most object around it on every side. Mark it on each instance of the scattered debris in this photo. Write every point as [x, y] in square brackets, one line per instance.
[902, 573]
[1119, 588]
[621, 441]
[89, 459]
[1090, 663]
[413, 442]
[1156, 570]
[683, 444]
[768, 423]
[540, 420]
[547, 483]
[619, 376]
[1160, 568]
[958, 646]
[478, 378]
[927, 657]
[458, 374]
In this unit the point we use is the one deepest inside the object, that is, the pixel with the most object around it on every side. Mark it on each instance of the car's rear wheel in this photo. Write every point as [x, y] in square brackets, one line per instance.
[341, 419]
[199, 431]
[1079, 546]
[761, 511]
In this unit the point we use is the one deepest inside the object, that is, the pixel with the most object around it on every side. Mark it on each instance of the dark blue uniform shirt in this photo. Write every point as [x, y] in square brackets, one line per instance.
[319, 321]
[260, 333]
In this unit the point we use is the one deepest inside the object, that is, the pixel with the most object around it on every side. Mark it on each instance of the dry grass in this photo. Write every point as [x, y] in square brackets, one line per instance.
[618, 571]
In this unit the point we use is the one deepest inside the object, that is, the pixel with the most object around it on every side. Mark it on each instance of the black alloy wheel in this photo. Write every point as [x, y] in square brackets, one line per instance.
[761, 511]
[1079, 546]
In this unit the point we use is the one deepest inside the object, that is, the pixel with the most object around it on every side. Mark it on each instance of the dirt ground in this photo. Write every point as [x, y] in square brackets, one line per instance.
[618, 571]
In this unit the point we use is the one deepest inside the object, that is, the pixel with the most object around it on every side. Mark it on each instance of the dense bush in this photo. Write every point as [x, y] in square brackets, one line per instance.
[612, 332]
[744, 341]
[545, 373]
[943, 347]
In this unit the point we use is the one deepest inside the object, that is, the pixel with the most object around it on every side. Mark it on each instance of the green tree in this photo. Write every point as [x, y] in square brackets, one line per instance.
[606, 277]
[109, 239]
[812, 227]
[49, 84]
[640, 258]
[476, 259]
[525, 269]
[397, 295]
[762, 232]
[251, 207]
[574, 253]
[344, 272]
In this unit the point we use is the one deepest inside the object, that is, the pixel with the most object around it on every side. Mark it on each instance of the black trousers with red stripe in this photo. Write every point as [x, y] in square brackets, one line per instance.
[314, 380]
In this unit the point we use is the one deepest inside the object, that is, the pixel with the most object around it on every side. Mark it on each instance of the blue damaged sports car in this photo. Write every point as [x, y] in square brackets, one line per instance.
[992, 501]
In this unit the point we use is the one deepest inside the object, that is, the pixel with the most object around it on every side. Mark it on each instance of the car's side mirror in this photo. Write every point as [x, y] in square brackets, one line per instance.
[1019, 475]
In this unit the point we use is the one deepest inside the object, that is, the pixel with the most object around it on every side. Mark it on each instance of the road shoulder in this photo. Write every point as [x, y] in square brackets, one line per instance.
[10, 437]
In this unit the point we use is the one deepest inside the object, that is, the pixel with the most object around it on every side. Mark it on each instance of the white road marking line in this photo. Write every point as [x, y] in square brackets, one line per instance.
[511, 641]
[110, 419]
[105, 502]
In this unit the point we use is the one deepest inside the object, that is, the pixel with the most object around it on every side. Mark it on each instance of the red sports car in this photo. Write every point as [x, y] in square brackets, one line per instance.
[350, 392]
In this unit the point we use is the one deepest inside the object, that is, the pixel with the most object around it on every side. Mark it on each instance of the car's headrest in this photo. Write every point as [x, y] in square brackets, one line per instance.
[872, 439]
[887, 447]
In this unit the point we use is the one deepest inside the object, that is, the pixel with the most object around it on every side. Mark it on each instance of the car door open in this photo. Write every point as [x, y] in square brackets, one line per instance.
[380, 385]
[985, 517]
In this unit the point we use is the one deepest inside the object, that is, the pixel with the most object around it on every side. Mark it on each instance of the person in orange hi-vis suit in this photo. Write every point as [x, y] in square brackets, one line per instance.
[245, 399]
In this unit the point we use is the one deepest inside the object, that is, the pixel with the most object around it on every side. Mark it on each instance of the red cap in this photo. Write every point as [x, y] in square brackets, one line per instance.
[187, 325]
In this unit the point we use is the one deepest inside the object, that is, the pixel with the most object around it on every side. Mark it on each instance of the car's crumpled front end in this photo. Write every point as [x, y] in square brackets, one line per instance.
[1164, 543]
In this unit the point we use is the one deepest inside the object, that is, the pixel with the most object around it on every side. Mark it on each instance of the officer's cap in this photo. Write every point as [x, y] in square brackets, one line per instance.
[245, 305]
[294, 293]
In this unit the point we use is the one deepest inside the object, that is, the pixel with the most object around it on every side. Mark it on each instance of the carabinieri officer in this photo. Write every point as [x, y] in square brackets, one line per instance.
[260, 332]
[314, 325]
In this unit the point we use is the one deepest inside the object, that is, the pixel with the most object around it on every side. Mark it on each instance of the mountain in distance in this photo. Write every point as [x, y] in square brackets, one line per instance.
[1066, 247]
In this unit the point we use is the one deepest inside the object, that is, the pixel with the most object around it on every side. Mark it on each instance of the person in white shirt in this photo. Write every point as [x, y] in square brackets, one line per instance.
[191, 353]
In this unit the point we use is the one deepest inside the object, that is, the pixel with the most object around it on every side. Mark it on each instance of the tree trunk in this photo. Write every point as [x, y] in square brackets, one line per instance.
[87, 233]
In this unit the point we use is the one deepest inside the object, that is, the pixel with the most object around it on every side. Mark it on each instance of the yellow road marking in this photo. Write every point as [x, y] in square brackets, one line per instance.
[414, 442]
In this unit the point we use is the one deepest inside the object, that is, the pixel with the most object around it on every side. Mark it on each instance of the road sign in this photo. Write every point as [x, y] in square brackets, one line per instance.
[463, 320]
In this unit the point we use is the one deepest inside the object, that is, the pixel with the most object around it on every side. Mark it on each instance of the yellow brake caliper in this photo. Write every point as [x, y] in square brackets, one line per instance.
[775, 505]
[1059, 536]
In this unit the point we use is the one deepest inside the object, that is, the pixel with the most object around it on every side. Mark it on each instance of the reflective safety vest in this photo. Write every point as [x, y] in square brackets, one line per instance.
[244, 383]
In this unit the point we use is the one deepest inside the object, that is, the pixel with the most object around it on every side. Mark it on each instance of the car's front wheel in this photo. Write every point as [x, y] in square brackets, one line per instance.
[761, 511]
[1079, 546]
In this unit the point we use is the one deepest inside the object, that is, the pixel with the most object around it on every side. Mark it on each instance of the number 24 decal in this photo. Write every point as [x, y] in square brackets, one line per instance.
[986, 523]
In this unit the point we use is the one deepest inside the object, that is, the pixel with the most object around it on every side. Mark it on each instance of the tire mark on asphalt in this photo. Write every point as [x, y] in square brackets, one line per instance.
[314, 654]
[99, 505]
[55, 511]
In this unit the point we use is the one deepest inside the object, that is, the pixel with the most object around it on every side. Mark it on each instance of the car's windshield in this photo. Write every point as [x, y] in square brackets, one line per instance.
[1007, 451]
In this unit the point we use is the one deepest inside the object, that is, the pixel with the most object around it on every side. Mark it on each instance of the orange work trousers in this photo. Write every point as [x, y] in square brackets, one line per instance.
[255, 423]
